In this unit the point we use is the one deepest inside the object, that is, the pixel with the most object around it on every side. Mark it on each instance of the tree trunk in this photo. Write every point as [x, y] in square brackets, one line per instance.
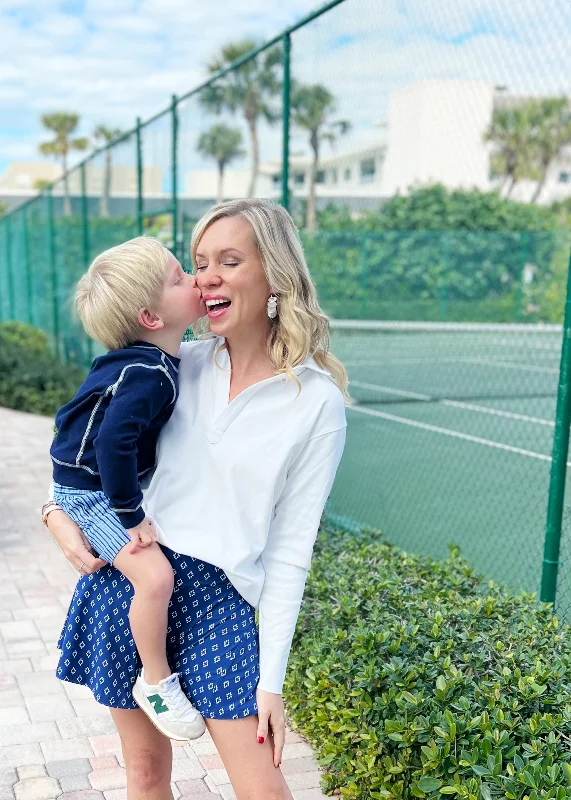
[311, 217]
[104, 202]
[540, 183]
[512, 187]
[66, 200]
[255, 155]
[220, 192]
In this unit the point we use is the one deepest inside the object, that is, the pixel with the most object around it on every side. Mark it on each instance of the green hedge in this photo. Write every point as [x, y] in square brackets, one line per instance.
[412, 679]
[31, 378]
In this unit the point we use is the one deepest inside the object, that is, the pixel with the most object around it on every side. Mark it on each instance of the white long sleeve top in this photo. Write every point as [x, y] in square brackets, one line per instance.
[242, 485]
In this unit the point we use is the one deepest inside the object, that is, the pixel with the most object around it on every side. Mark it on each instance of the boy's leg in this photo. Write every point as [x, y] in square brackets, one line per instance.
[152, 577]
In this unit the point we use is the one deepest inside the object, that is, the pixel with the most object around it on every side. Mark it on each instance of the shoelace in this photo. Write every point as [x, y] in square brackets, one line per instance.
[177, 699]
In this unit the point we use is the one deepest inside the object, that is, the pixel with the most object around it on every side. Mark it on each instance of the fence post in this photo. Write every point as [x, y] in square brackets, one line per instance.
[174, 177]
[523, 255]
[53, 268]
[139, 179]
[558, 461]
[286, 97]
[85, 241]
[443, 306]
[27, 270]
[11, 299]
[364, 266]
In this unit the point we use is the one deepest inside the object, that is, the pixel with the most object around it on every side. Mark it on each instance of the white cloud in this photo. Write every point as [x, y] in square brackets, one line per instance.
[123, 58]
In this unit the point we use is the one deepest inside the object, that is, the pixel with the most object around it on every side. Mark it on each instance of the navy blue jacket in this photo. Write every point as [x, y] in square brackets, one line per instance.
[107, 434]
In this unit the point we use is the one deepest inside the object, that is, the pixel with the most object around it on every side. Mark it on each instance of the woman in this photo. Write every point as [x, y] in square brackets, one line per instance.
[243, 471]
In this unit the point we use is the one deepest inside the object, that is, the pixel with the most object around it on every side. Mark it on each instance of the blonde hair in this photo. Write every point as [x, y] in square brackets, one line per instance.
[120, 282]
[301, 329]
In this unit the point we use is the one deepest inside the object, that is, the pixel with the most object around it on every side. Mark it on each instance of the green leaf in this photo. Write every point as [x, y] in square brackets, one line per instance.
[428, 784]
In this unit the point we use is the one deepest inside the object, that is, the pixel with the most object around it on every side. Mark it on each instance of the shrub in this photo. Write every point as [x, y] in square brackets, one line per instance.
[31, 378]
[414, 679]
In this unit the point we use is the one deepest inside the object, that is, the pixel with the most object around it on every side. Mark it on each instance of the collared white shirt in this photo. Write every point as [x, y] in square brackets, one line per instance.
[242, 485]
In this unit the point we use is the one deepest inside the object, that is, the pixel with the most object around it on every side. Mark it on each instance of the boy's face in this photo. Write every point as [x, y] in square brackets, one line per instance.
[181, 301]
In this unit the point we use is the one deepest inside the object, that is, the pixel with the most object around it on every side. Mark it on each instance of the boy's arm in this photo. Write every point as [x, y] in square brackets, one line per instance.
[138, 397]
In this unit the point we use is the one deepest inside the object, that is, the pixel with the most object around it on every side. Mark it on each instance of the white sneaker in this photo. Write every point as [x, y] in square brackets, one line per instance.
[168, 708]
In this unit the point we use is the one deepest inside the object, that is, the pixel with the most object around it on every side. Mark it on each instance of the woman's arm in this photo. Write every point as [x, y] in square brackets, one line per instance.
[286, 559]
[72, 542]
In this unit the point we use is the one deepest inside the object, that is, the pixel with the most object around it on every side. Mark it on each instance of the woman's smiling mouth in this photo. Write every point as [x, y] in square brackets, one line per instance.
[216, 306]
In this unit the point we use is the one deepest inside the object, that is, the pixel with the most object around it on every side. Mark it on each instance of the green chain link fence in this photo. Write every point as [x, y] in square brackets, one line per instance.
[455, 366]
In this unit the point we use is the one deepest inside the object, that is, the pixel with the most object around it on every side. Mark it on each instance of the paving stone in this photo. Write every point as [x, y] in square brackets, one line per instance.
[211, 785]
[11, 696]
[297, 750]
[85, 726]
[20, 755]
[115, 794]
[8, 777]
[75, 691]
[62, 749]
[186, 769]
[103, 762]
[195, 789]
[228, 792]
[218, 776]
[15, 715]
[41, 612]
[304, 780]
[50, 708]
[201, 748]
[292, 737]
[70, 767]
[37, 789]
[107, 744]
[38, 684]
[104, 779]
[75, 783]
[176, 792]
[15, 666]
[310, 794]
[45, 662]
[89, 708]
[18, 631]
[31, 732]
[31, 771]
[82, 795]
[25, 647]
[211, 762]
[295, 765]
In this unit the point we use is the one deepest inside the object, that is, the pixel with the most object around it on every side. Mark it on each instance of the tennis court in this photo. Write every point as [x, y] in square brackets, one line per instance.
[450, 439]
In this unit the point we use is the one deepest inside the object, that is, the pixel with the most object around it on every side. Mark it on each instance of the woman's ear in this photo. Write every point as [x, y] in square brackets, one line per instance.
[149, 321]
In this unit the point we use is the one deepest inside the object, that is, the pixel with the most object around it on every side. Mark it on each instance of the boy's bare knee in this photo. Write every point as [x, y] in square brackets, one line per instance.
[146, 770]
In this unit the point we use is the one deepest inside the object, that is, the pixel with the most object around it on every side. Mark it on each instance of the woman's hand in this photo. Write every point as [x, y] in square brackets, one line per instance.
[73, 543]
[271, 715]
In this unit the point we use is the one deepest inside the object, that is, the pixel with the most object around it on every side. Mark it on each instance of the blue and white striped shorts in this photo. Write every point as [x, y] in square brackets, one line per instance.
[91, 511]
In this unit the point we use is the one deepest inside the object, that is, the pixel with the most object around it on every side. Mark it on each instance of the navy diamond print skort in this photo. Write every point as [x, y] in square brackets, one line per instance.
[212, 640]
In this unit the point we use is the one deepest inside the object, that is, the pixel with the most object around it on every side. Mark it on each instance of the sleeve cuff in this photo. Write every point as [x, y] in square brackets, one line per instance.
[130, 519]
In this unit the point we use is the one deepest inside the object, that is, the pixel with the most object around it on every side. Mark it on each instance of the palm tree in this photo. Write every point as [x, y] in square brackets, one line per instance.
[551, 121]
[62, 124]
[312, 110]
[510, 131]
[224, 145]
[106, 136]
[249, 90]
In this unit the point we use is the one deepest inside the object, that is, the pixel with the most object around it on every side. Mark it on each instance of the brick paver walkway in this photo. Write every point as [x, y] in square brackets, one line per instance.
[55, 740]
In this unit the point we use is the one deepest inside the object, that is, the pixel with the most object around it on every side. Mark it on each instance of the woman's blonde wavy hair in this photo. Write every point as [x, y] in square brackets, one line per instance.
[301, 329]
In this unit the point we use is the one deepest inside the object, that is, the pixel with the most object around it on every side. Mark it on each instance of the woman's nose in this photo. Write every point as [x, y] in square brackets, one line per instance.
[208, 277]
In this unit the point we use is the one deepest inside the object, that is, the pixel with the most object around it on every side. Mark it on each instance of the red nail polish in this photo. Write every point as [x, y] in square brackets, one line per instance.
[260, 740]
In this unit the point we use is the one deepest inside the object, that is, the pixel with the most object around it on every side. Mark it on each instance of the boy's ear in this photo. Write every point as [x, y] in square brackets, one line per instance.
[149, 321]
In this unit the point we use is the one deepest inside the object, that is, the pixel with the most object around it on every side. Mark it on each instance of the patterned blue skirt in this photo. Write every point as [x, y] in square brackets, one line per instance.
[212, 640]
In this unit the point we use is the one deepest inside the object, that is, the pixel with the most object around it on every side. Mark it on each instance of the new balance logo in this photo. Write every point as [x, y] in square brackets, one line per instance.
[157, 703]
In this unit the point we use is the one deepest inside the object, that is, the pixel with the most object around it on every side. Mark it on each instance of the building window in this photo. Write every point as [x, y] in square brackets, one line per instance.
[334, 175]
[368, 169]
[347, 174]
[299, 178]
[565, 177]
[320, 177]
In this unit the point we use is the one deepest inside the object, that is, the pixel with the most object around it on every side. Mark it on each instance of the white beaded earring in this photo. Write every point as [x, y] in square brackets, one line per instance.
[272, 306]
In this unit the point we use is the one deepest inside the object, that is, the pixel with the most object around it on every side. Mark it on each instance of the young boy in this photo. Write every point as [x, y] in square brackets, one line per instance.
[137, 302]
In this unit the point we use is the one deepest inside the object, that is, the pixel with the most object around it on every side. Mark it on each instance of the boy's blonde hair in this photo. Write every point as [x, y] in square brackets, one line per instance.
[118, 284]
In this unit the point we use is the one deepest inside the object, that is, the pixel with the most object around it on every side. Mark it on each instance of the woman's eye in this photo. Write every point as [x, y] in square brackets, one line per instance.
[231, 264]
[201, 266]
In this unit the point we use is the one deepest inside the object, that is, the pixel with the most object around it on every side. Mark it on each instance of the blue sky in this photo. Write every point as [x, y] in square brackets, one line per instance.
[111, 60]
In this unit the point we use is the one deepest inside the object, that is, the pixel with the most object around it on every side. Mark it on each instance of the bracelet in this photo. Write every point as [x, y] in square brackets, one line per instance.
[47, 508]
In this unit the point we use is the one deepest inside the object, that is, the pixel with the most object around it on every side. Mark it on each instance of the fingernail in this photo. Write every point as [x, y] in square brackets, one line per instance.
[260, 740]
